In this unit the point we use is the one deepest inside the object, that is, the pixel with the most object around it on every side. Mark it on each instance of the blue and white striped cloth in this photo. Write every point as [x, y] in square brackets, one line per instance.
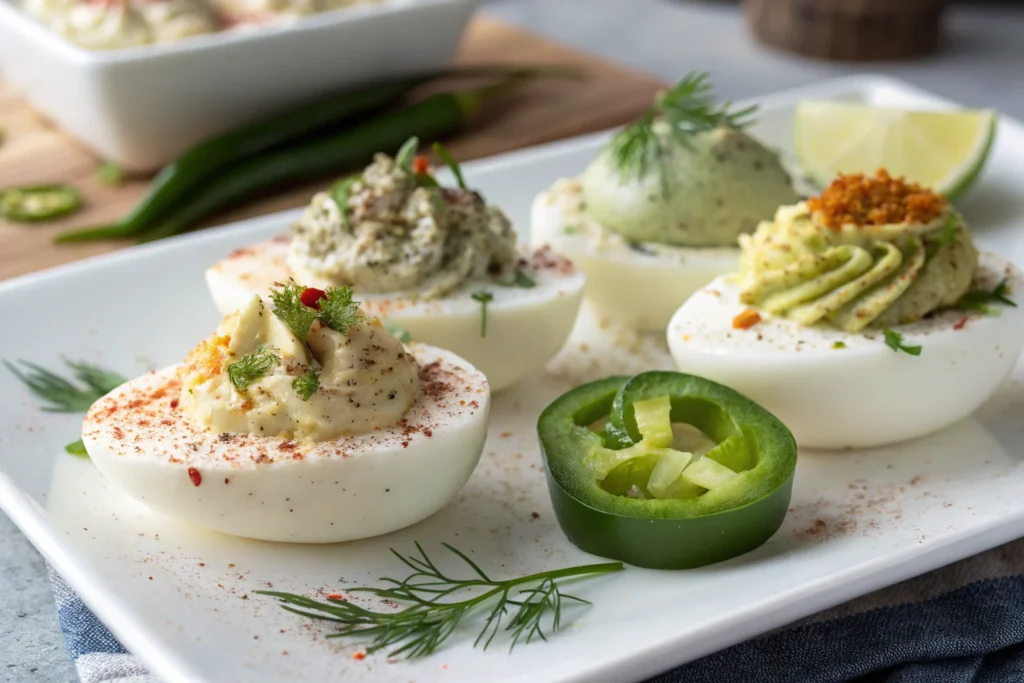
[960, 624]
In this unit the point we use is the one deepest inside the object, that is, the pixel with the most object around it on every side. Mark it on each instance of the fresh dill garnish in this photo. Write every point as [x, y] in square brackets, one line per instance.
[109, 174]
[340, 193]
[251, 367]
[287, 305]
[406, 153]
[337, 310]
[65, 397]
[894, 340]
[686, 110]
[398, 332]
[420, 629]
[306, 385]
[979, 299]
[484, 297]
[447, 158]
[838, 345]
[519, 279]
[60, 394]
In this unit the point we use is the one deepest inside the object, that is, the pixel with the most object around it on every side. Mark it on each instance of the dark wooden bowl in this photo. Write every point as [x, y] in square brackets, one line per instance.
[848, 30]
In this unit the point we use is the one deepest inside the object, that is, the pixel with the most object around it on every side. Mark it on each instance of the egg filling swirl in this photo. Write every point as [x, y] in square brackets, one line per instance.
[867, 266]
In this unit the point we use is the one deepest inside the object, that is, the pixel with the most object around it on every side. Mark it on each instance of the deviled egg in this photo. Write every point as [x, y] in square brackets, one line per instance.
[119, 24]
[656, 214]
[300, 419]
[861, 317]
[437, 262]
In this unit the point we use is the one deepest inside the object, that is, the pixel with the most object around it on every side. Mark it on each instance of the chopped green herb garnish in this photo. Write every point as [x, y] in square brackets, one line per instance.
[287, 304]
[641, 248]
[447, 158]
[109, 174]
[399, 333]
[434, 614]
[306, 385]
[519, 279]
[570, 230]
[484, 298]
[407, 153]
[979, 299]
[838, 345]
[687, 110]
[894, 340]
[61, 395]
[77, 448]
[950, 228]
[251, 367]
[337, 310]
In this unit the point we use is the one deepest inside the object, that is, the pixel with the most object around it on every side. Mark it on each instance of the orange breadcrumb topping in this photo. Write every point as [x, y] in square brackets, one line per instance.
[860, 200]
[746, 319]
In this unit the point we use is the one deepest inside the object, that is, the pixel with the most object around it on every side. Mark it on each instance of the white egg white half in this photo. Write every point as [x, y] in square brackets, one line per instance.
[275, 489]
[861, 393]
[637, 287]
[525, 327]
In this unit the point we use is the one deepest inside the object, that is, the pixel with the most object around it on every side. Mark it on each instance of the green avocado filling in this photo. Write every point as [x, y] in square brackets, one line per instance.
[686, 173]
[855, 276]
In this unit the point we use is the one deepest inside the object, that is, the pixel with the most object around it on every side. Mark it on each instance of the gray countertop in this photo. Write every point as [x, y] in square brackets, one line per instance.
[982, 64]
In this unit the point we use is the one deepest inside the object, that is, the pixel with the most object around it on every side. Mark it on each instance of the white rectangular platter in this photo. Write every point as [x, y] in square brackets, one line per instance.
[182, 599]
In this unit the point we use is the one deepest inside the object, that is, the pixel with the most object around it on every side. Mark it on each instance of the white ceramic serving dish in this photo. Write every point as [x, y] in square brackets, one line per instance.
[141, 107]
[182, 600]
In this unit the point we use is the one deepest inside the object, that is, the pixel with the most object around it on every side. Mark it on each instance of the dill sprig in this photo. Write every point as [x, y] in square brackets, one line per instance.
[979, 299]
[65, 397]
[306, 385]
[61, 395]
[286, 299]
[687, 109]
[419, 629]
[337, 309]
[251, 367]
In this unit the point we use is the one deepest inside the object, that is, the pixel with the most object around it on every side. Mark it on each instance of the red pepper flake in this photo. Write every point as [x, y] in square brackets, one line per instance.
[226, 480]
[195, 476]
[310, 296]
[420, 164]
[174, 403]
[202, 564]
[359, 656]
[746, 319]
[334, 596]
[960, 324]
[428, 432]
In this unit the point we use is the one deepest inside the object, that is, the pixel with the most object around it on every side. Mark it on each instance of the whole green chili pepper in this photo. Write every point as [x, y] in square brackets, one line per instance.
[434, 117]
[715, 506]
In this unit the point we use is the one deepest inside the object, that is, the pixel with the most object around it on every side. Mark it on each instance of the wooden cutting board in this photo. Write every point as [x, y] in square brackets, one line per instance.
[34, 152]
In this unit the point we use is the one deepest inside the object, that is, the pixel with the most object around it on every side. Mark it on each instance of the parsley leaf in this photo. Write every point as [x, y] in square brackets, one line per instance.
[894, 340]
[251, 367]
[979, 299]
[838, 345]
[306, 385]
[399, 333]
[484, 298]
[406, 153]
[447, 158]
[519, 279]
[337, 310]
[288, 306]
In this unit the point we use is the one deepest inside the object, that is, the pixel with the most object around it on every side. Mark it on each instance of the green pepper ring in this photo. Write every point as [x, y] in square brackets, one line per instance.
[67, 201]
[664, 534]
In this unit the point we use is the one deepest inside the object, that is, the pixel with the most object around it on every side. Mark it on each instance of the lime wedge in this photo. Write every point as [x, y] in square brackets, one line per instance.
[942, 150]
